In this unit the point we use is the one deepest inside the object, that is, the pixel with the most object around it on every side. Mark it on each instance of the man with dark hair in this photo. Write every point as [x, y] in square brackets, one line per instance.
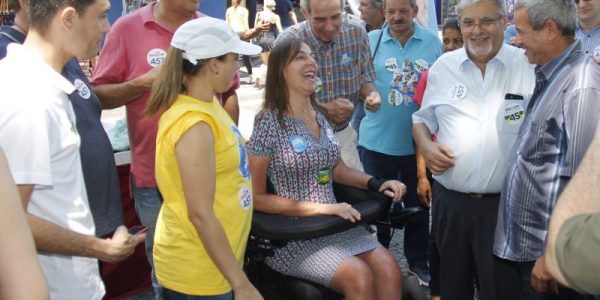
[42, 146]
[559, 125]
[341, 47]
[15, 33]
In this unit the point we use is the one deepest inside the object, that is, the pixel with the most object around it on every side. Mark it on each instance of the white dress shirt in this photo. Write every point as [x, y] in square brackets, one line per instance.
[473, 117]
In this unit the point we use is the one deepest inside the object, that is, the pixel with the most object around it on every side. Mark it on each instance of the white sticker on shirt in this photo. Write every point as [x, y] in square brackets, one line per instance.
[458, 91]
[245, 198]
[156, 57]
[421, 65]
[513, 113]
[331, 136]
[318, 84]
[391, 65]
[597, 52]
[82, 89]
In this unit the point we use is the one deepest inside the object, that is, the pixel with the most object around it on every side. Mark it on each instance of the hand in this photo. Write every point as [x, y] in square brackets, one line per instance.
[247, 292]
[439, 158]
[121, 245]
[262, 26]
[339, 110]
[541, 279]
[373, 101]
[342, 210]
[150, 76]
[596, 59]
[393, 189]
[424, 191]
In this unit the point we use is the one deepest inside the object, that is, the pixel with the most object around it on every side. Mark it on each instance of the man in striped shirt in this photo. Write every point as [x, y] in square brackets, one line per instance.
[560, 122]
[588, 27]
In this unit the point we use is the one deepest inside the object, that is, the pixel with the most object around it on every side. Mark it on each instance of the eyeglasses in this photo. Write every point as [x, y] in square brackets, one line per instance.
[484, 24]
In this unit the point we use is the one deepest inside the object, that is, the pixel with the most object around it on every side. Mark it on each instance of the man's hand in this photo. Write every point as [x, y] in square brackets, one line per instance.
[439, 158]
[373, 101]
[339, 110]
[424, 191]
[541, 279]
[121, 245]
[150, 76]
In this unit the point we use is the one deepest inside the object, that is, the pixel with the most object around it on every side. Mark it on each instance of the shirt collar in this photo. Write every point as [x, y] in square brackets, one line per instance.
[417, 33]
[503, 57]
[597, 28]
[554, 64]
[39, 67]
[147, 14]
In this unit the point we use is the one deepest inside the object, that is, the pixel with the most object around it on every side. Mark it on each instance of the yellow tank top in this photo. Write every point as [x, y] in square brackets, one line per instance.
[181, 262]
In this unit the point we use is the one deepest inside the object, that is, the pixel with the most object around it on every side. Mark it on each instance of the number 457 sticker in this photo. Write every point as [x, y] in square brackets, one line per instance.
[156, 57]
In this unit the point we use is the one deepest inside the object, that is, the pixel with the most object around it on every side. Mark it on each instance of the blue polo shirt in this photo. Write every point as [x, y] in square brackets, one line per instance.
[398, 69]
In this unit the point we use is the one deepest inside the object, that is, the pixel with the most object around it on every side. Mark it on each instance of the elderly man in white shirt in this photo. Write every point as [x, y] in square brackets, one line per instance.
[475, 101]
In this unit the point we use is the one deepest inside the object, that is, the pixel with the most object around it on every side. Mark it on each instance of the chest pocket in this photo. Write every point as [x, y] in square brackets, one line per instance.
[511, 115]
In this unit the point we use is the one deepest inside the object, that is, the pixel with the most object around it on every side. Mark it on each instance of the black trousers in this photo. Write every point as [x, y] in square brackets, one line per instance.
[464, 228]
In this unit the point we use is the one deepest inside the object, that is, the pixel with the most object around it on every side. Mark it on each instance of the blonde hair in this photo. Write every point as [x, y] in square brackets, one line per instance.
[269, 3]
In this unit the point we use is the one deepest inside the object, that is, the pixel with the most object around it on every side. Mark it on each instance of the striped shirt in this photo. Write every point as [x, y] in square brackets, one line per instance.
[558, 128]
[589, 40]
[345, 64]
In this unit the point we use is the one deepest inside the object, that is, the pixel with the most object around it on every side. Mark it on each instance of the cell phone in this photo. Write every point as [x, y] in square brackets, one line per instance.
[513, 97]
[135, 230]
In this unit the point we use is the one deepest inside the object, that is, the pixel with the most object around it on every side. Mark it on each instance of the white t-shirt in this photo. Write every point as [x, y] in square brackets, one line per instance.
[39, 137]
[473, 117]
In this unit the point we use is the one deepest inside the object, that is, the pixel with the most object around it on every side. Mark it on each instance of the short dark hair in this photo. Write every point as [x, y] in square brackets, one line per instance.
[451, 23]
[41, 12]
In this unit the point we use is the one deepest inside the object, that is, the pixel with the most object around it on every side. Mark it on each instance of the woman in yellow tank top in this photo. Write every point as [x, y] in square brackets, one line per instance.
[201, 168]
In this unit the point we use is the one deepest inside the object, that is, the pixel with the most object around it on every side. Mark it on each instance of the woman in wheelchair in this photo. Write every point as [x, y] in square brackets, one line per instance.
[201, 168]
[293, 143]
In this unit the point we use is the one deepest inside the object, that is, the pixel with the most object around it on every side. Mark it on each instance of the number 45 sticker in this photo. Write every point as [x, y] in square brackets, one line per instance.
[514, 114]
[156, 57]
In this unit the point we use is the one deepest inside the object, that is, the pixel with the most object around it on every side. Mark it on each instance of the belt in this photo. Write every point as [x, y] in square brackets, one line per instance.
[480, 195]
[341, 128]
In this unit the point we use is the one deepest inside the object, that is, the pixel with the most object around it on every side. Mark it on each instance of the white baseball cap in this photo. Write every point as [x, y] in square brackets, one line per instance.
[207, 37]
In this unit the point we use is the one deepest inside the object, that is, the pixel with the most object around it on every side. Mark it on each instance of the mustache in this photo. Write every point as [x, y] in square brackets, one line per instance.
[399, 21]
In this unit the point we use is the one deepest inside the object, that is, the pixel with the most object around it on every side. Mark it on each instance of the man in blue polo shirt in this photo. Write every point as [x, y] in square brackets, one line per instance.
[401, 51]
[97, 159]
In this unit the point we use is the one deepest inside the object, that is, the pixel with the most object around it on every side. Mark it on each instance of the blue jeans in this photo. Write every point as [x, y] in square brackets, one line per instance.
[147, 206]
[173, 295]
[403, 168]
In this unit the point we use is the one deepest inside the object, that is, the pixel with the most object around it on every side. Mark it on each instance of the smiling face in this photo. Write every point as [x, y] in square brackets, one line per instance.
[399, 15]
[482, 30]
[588, 12]
[325, 17]
[533, 41]
[301, 72]
[89, 28]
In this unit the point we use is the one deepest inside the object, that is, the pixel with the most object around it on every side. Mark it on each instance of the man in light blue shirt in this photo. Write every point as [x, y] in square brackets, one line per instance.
[402, 50]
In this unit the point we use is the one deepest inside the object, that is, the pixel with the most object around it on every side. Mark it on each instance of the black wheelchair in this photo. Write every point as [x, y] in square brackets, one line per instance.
[270, 231]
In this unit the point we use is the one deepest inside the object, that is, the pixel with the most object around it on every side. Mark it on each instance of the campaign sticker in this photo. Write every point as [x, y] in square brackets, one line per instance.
[318, 84]
[299, 143]
[331, 136]
[245, 198]
[514, 114]
[391, 65]
[82, 89]
[597, 52]
[459, 91]
[244, 164]
[324, 176]
[421, 65]
[156, 57]
[346, 59]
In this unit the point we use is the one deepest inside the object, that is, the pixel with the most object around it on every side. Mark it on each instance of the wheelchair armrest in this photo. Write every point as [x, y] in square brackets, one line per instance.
[279, 227]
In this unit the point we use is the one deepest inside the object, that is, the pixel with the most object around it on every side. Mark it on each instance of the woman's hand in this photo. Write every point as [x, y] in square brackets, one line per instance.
[393, 189]
[342, 210]
[246, 291]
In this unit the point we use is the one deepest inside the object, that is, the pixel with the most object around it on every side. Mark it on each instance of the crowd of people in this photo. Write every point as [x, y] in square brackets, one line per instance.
[496, 141]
